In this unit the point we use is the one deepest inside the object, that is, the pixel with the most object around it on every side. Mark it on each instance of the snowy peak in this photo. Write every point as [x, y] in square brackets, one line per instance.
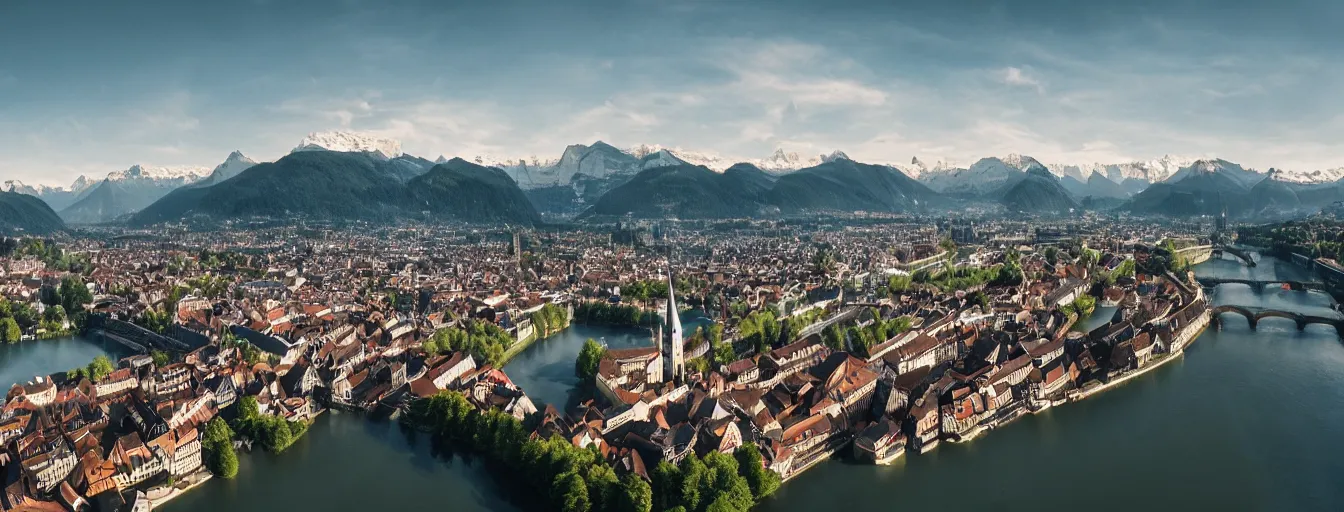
[1148, 171]
[1020, 162]
[20, 187]
[1308, 177]
[82, 184]
[234, 165]
[1244, 178]
[709, 160]
[781, 160]
[983, 176]
[660, 158]
[137, 172]
[350, 142]
[835, 155]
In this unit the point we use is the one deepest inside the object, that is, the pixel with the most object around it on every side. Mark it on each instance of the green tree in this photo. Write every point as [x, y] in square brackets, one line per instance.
[762, 481]
[100, 368]
[635, 495]
[589, 356]
[693, 477]
[218, 446]
[603, 487]
[74, 294]
[161, 358]
[570, 493]
[54, 314]
[834, 337]
[248, 408]
[666, 486]
[9, 330]
[25, 315]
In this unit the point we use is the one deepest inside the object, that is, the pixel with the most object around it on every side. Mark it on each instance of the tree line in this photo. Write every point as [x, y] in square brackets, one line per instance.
[273, 433]
[561, 476]
[605, 313]
[484, 340]
[549, 320]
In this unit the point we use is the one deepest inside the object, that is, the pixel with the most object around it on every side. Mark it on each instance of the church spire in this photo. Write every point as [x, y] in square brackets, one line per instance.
[676, 349]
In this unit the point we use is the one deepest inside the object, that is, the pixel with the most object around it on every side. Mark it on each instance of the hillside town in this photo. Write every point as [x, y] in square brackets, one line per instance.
[865, 338]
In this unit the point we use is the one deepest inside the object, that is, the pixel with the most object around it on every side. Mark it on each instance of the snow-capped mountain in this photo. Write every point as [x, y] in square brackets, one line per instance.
[918, 167]
[1246, 178]
[660, 158]
[235, 164]
[984, 176]
[1308, 177]
[1147, 171]
[183, 174]
[18, 186]
[350, 142]
[56, 197]
[603, 161]
[127, 191]
[711, 160]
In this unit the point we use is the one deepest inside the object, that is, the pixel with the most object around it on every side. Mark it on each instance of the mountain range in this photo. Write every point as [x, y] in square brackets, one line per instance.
[25, 214]
[352, 175]
[1215, 187]
[350, 186]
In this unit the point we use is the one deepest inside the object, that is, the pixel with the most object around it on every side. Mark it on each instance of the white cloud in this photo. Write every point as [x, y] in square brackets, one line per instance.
[1017, 77]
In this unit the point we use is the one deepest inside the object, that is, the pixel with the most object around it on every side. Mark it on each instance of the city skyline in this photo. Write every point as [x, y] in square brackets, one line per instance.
[185, 85]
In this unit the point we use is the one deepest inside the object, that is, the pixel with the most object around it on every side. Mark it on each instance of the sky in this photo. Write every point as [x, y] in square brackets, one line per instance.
[92, 87]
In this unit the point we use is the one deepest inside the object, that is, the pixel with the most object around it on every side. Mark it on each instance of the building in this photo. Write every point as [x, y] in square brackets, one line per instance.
[677, 365]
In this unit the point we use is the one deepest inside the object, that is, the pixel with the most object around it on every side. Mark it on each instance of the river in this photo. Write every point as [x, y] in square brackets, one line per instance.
[1247, 420]
[347, 462]
[20, 362]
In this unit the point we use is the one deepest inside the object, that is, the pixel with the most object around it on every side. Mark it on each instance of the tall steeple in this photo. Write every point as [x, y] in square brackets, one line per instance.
[678, 366]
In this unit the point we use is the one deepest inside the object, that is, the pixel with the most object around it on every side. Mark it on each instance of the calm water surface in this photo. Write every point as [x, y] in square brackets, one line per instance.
[20, 362]
[1247, 420]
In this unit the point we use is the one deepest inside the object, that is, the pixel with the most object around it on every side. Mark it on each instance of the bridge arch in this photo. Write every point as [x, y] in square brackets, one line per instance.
[1274, 313]
[1253, 317]
[1258, 285]
[1244, 256]
[1244, 312]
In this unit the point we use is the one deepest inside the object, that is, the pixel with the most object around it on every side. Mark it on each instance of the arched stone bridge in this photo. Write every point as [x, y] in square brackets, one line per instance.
[1244, 256]
[1257, 285]
[1254, 315]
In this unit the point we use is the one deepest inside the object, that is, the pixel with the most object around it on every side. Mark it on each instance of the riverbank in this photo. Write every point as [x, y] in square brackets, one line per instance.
[199, 478]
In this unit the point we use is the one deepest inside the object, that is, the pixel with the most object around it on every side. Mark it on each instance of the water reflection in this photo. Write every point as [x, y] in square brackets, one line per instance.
[1240, 423]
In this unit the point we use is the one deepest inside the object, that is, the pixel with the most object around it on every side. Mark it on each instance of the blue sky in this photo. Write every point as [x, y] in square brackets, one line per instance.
[90, 87]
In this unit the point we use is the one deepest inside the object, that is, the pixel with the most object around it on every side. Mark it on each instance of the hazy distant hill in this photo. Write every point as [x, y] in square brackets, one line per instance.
[1039, 192]
[23, 213]
[346, 185]
[686, 191]
[845, 185]
[461, 190]
[1207, 187]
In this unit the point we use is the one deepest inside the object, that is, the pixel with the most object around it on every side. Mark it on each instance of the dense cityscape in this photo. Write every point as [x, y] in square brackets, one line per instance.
[772, 346]
[671, 256]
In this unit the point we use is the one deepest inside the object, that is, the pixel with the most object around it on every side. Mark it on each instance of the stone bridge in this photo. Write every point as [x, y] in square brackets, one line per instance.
[1253, 315]
[817, 328]
[1258, 284]
[1240, 254]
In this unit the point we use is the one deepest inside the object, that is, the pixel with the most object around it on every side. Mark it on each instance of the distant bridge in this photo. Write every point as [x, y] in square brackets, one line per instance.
[1240, 254]
[1259, 284]
[1253, 315]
